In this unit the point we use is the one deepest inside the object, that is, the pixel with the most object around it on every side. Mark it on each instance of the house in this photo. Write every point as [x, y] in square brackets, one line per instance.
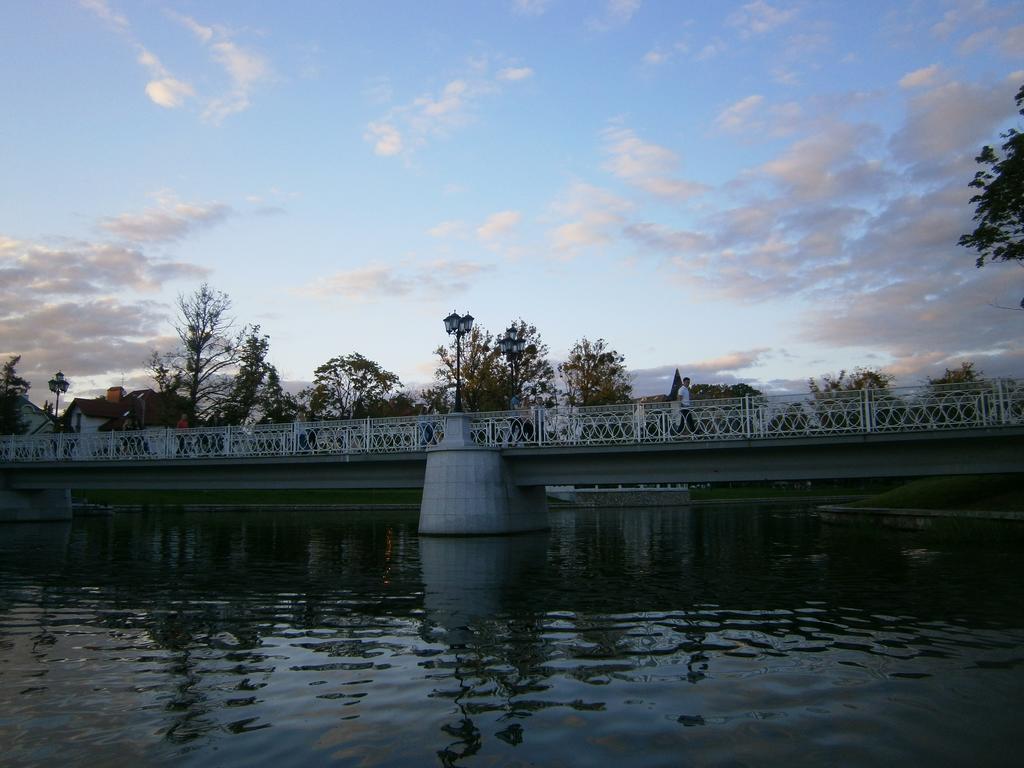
[34, 419]
[116, 411]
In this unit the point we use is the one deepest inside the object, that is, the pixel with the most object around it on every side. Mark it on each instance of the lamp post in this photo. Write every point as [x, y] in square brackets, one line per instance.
[512, 346]
[459, 326]
[58, 385]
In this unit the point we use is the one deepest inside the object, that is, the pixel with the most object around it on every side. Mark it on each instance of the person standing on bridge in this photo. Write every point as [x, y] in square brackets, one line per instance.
[685, 415]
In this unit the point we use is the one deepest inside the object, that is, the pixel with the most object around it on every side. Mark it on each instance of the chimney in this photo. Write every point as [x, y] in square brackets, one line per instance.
[114, 394]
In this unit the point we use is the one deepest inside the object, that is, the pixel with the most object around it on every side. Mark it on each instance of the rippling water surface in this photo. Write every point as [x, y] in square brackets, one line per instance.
[672, 637]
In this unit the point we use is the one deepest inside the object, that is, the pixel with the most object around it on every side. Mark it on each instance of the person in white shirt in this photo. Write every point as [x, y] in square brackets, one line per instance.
[685, 416]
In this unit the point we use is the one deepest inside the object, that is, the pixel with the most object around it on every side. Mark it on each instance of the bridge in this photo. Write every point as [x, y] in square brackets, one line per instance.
[487, 472]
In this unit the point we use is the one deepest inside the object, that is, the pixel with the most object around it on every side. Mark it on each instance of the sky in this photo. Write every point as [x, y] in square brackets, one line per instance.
[754, 192]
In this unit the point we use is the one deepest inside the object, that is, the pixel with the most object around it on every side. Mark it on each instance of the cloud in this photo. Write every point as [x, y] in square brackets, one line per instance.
[1012, 43]
[62, 305]
[832, 164]
[530, 7]
[921, 78]
[646, 166]
[377, 281]
[721, 370]
[432, 115]
[951, 119]
[245, 69]
[594, 218]
[83, 268]
[386, 138]
[498, 224]
[656, 237]
[168, 92]
[103, 10]
[172, 220]
[513, 74]
[448, 229]
[759, 18]
[616, 13]
[736, 117]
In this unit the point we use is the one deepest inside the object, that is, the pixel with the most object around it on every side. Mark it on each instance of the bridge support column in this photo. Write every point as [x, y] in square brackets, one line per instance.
[34, 506]
[467, 490]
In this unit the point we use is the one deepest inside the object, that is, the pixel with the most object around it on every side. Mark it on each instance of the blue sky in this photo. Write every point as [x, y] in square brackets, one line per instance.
[749, 191]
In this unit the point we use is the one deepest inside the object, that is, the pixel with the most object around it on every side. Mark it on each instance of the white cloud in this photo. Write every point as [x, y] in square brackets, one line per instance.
[735, 117]
[830, 165]
[759, 17]
[168, 92]
[615, 13]
[513, 74]
[164, 89]
[498, 224]
[921, 78]
[377, 281]
[646, 166]
[951, 119]
[594, 218]
[530, 7]
[1012, 43]
[171, 220]
[385, 138]
[448, 229]
[103, 10]
[409, 126]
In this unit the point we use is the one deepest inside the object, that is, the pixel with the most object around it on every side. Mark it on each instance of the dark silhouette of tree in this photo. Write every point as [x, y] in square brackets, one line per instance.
[12, 387]
[487, 382]
[860, 378]
[999, 207]
[722, 391]
[535, 376]
[349, 387]
[484, 382]
[199, 371]
[256, 394]
[965, 374]
[594, 374]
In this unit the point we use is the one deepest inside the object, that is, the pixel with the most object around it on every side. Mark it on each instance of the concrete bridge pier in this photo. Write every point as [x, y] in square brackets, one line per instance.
[34, 506]
[467, 490]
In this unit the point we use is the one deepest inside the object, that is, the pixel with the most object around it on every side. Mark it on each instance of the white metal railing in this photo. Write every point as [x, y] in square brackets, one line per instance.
[994, 403]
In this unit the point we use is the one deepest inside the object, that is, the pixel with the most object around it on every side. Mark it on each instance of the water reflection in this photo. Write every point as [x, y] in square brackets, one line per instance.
[738, 635]
[492, 664]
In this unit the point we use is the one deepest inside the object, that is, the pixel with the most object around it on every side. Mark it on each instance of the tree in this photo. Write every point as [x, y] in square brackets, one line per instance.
[12, 388]
[242, 406]
[722, 391]
[273, 404]
[593, 374]
[965, 374]
[168, 389]
[999, 208]
[484, 385]
[198, 370]
[349, 387]
[535, 376]
[861, 378]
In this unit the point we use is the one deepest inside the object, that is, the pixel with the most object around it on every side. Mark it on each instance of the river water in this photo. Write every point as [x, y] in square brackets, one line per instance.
[671, 637]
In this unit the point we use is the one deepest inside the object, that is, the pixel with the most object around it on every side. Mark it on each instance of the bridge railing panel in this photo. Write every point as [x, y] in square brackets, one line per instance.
[983, 404]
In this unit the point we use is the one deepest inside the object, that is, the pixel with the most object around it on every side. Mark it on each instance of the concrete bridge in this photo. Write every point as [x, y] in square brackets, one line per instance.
[486, 473]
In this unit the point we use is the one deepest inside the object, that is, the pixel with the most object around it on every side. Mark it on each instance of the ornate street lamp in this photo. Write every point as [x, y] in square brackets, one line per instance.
[512, 346]
[58, 385]
[459, 326]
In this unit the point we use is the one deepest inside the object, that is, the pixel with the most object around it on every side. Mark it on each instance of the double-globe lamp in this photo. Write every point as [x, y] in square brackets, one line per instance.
[458, 325]
[512, 346]
[58, 385]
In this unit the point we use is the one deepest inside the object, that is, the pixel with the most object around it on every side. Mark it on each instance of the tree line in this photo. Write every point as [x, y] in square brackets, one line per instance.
[219, 376]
